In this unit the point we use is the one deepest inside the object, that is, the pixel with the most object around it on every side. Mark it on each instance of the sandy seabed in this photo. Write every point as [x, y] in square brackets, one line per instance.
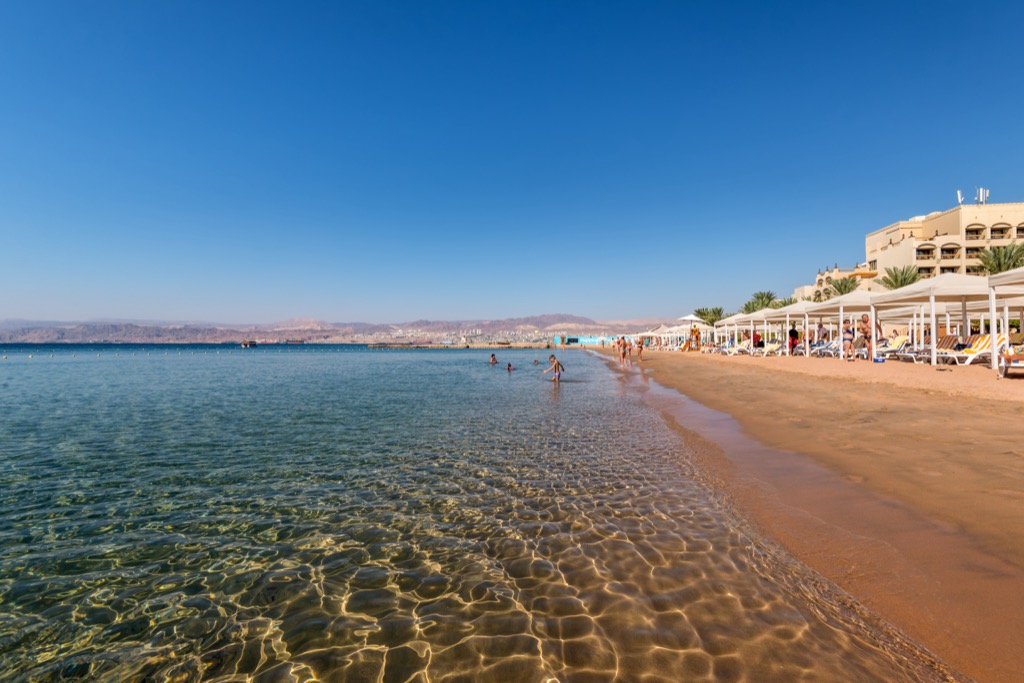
[902, 483]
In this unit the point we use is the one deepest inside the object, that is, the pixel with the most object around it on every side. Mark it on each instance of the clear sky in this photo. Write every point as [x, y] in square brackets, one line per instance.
[386, 161]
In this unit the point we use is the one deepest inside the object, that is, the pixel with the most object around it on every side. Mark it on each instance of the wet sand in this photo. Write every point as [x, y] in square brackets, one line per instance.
[901, 483]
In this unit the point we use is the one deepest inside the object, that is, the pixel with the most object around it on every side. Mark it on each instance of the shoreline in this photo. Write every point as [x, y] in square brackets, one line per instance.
[900, 484]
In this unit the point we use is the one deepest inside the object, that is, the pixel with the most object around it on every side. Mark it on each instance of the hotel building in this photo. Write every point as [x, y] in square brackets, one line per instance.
[941, 242]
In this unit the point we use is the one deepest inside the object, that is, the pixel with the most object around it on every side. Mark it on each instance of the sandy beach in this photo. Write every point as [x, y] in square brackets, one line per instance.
[902, 483]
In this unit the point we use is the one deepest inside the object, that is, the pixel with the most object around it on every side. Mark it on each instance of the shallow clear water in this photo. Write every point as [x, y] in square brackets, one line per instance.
[335, 514]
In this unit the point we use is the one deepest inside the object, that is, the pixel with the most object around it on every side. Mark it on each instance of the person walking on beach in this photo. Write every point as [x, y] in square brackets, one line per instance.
[622, 351]
[848, 336]
[794, 339]
[640, 351]
[556, 367]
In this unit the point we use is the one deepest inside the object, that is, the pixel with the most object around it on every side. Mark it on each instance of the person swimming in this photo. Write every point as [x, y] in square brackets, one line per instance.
[494, 360]
[510, 368]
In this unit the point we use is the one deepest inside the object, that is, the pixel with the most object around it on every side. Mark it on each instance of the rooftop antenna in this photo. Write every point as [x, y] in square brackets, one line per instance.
[959, 197]
[982, 196]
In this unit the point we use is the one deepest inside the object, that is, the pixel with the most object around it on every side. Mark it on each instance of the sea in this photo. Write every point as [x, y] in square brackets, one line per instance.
[342, 513]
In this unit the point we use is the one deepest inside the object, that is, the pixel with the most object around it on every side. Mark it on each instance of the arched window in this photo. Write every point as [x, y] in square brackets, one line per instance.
[1001, 231]
[950, 250]
[975, 232]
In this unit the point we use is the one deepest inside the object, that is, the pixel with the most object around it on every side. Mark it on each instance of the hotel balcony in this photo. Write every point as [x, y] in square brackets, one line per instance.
[978, 234]
[926, 271]
[949, 269]
[1001, 233]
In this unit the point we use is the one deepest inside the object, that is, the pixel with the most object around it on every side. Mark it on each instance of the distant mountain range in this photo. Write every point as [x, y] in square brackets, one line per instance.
[311, 330]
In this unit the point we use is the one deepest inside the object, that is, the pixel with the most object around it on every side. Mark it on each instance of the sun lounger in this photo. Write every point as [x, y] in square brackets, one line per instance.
[979, 348]
[891, 347]
[741, 349]
[924, 354]
[769, 349]
[1012, 360]
[831, 348]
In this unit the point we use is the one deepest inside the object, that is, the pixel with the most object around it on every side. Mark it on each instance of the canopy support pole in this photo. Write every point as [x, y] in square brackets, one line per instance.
[934, 322]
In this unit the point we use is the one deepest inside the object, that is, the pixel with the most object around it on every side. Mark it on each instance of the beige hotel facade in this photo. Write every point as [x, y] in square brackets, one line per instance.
[941, 242]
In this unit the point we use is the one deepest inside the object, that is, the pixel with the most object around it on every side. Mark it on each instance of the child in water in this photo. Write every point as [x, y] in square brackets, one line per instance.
[510, 368]
[556, 367]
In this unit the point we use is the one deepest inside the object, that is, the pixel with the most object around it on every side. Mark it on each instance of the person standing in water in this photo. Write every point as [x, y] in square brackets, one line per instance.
[494, 360]
[556, 367]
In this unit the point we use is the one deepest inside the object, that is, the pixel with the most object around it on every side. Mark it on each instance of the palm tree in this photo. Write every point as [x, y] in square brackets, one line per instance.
[843, 285]
[779, 303]
[759, 300]
[763, 299]
[1001, 259]
[710, 315]
[899, 277]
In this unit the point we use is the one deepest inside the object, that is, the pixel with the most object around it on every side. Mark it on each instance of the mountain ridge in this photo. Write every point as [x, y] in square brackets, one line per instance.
[312, 330]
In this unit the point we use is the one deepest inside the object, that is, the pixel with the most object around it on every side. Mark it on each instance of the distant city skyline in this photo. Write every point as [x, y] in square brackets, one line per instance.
[253, 162]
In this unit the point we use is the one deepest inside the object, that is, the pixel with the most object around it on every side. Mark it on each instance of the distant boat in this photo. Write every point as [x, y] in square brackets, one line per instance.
[294, 341]
[248, 344]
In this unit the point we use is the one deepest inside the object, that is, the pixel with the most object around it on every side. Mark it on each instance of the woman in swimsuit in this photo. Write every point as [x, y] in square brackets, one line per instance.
[848, 340]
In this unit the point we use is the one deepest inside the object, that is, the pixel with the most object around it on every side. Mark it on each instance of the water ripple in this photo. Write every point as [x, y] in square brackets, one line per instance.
[363, 516]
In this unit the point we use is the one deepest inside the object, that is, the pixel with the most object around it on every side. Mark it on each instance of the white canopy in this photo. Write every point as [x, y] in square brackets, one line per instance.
[855, 299]
[733, 319]
[787, 312]
[947, 287]
[1010, 277]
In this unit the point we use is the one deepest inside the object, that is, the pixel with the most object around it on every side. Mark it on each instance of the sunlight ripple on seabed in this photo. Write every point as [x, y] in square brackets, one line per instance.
[160, 527]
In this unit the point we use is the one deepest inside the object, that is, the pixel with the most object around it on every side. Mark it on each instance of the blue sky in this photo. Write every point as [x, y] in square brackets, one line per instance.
[387, 161]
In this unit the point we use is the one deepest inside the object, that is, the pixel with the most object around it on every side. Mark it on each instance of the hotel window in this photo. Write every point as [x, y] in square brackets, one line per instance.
[1020, 232]
[926, 271]
[925, 253]
[975, 270]
[951, 251]
[973, 252]
[1000, 232]
[975, 232]
[949, 269]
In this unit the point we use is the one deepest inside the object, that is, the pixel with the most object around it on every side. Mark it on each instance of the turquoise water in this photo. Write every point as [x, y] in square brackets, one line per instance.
[338, 514]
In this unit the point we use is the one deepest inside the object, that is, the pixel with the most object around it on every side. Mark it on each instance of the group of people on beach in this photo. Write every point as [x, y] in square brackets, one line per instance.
[556, 367]
[864, 330]
[624, 347]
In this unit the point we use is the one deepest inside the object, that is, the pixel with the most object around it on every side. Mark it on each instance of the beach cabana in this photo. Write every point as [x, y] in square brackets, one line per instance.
[786, 314]
[1008, 284]
[841, 306]
[951, 289]
[727, 322]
